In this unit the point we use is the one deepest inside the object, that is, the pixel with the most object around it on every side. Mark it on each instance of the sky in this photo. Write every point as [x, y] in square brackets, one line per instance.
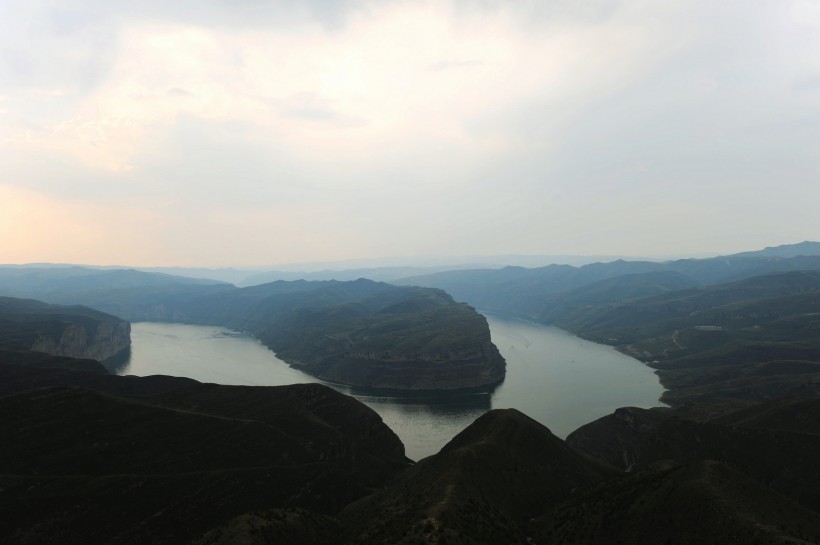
[219, 133]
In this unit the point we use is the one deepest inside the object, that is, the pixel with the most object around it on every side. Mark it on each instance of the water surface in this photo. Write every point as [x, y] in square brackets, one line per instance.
[554, 377]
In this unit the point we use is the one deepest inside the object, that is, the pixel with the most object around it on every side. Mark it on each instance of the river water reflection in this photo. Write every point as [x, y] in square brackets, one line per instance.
[557, 379]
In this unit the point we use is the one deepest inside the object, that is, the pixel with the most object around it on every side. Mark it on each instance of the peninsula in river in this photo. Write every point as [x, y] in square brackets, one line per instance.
[360, 333]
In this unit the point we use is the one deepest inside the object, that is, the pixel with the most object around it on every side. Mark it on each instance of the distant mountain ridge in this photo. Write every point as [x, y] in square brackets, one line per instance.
[384, 270]
[526, 292]
[742, 326]
[80, 285]
[397, 269]
[806, 247]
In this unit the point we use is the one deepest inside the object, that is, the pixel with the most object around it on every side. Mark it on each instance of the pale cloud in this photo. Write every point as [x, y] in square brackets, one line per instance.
[372, 77]
[388, 128]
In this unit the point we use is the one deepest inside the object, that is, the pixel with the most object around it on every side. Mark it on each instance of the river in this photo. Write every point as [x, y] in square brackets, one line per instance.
[554, 377]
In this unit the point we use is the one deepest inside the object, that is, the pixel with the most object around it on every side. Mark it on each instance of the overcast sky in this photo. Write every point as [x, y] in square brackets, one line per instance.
[254, 132]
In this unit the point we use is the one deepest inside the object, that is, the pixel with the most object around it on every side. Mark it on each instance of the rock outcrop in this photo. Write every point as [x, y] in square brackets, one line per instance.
[97, 341]
[70, 331]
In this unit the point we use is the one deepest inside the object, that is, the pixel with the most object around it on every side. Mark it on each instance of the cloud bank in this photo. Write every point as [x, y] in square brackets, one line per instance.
[261, 132]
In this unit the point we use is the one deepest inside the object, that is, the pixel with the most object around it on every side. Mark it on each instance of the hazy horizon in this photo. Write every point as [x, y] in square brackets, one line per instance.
[523, 260]
[272, 133]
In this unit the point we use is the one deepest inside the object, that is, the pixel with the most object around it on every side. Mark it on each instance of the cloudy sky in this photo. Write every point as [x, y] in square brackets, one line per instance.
[262, 132]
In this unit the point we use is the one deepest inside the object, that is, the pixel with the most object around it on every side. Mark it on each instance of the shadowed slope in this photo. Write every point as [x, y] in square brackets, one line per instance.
[179, 458]
[68, 331]
[482, 487]
[703, 502]
[779, 455]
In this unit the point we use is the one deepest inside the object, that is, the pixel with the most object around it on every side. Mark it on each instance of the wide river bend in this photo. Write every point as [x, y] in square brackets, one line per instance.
[554, 377]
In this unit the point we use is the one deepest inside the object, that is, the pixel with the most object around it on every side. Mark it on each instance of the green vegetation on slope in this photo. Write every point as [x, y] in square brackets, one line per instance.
[756, 338]
[31, 329]
[361, 332]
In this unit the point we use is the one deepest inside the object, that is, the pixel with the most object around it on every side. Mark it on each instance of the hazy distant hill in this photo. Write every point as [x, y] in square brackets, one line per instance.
[786, 250]
[532, 293]
[381, 274]
[414, 267]
[83, 285]
[771, 296]
[741, 326]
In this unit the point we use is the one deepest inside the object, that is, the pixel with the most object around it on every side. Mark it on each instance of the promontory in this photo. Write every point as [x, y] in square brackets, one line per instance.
[359, 333]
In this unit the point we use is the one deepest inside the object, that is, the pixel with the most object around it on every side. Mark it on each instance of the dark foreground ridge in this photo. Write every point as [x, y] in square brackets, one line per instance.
[163, 460]
[100, 459]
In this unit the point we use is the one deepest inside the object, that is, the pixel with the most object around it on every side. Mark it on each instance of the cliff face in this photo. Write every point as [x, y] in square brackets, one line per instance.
[469, 369]
[97, 341]
[360, 333]
[445, 347]
[74, 332]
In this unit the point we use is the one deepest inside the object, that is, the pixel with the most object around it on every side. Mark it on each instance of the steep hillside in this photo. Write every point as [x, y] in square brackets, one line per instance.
[74, 332]
[483, 487]
[692, 504]
[731, 327]
[361, 333]
[174, 461]
[780, 455]
[101, 459]
[755, 338]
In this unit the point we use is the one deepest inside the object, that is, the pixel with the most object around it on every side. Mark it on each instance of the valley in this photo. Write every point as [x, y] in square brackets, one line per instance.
[103, 458]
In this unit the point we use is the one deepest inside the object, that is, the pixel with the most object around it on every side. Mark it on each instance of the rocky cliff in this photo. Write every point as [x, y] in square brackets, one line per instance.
[75, 331]
[361, 333]
[99, 342]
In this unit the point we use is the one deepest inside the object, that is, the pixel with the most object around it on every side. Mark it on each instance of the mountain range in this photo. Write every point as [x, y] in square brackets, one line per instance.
[361, 333]
[740, 327]
[90, 457]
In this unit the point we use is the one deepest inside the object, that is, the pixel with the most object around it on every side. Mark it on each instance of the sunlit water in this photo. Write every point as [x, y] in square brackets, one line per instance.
[554, 377]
